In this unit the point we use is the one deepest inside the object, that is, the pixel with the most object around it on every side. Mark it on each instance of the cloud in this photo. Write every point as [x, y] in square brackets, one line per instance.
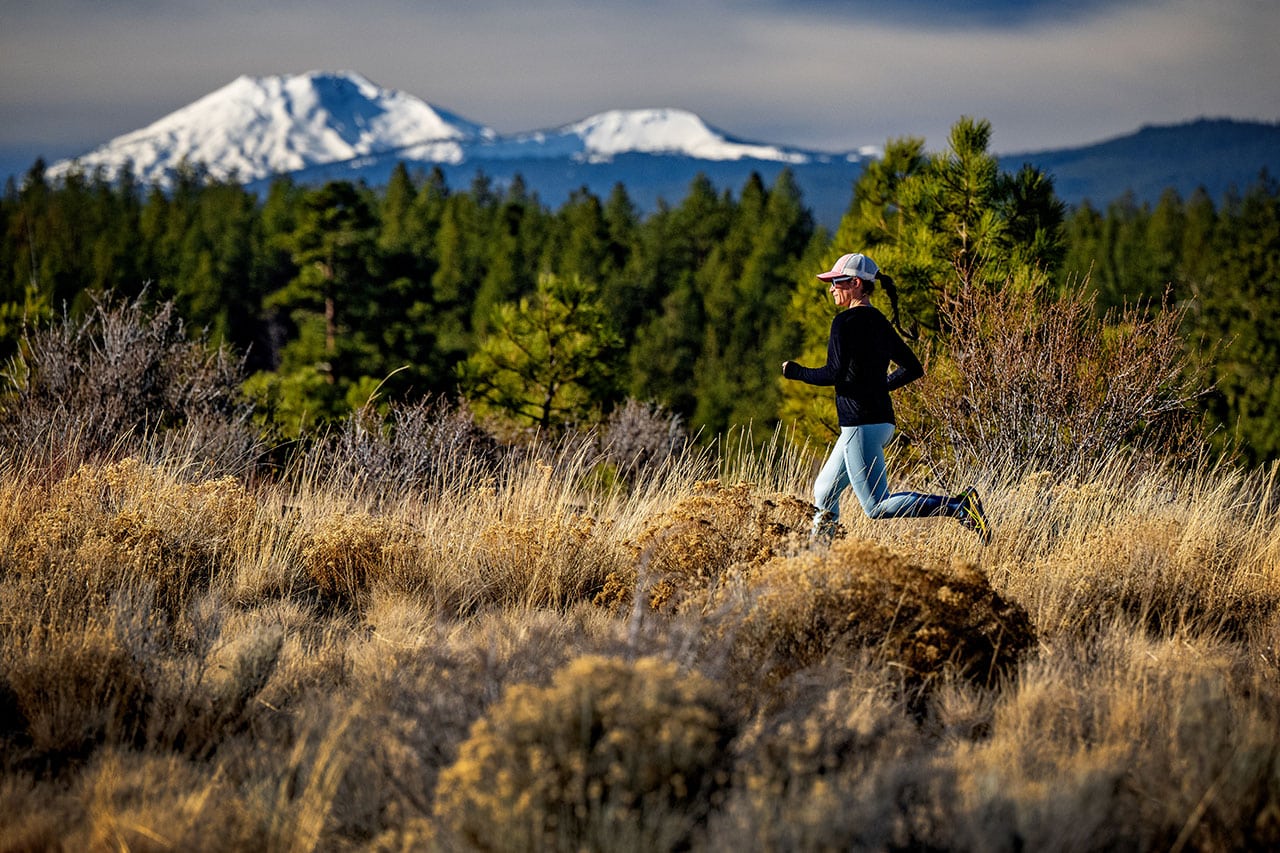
[958, 14]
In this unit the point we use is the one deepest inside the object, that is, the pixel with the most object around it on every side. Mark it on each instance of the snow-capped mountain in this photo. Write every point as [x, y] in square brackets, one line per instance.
[254, 128]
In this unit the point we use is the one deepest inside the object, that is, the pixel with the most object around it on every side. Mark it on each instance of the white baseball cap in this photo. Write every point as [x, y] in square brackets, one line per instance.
[854, 265]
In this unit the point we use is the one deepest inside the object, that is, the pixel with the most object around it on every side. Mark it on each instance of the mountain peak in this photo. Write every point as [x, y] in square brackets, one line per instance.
[254, 127]
[665, 131]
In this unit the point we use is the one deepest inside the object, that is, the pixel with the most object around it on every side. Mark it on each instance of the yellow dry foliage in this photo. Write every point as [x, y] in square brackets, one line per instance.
[613, 754]
[130, 520]
[690, 546]
[343, 552]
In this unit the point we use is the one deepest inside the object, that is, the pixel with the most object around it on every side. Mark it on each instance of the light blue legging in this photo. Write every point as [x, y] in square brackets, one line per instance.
[857, 460]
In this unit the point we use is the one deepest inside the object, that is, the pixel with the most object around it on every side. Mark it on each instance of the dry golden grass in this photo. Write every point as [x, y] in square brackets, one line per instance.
[196, 662]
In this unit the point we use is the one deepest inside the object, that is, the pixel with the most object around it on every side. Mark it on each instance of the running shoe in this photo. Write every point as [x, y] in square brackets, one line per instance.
[969, 512]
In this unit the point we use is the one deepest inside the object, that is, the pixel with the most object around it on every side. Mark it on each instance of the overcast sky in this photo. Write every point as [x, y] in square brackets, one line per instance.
[820, 74]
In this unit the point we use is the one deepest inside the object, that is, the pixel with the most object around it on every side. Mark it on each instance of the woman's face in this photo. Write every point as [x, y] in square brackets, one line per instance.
[845, 293]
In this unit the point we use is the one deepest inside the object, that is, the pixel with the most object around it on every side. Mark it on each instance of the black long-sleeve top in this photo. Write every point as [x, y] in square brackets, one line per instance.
[861, 346]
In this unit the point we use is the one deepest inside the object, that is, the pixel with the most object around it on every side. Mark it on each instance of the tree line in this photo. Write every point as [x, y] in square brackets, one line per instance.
[553, 317]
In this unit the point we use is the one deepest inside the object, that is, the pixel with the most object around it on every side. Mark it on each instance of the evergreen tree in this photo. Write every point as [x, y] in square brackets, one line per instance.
[1199, 224]
[406, 333]
[114, 224]
[547, 359]
[1165, 230]
[26, 300]
[1034, 218]
[677, 243]
[330, 307]
[460, 256]
[217, 285]
[746, 287]
[946, 222]
[510, 251]
[627, 282]
[1083, 235]
[394, 213]
[1236, 329]
[1126, 259]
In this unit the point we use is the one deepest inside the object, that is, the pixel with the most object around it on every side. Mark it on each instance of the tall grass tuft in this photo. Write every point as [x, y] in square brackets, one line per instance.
[129, 523]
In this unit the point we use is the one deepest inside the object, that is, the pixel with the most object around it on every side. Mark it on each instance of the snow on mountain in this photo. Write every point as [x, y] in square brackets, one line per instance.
[663, 131]
[256, 127]
[652, 131]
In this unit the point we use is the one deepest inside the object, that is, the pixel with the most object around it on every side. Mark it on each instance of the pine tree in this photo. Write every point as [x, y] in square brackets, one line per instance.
[510, 250]
[746, 288]
[546, 360]
[628, 290]
[26, 300]
[329, 302]
[946, 222]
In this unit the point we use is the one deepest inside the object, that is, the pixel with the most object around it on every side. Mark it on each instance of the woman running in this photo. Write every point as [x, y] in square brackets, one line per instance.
[859, 351]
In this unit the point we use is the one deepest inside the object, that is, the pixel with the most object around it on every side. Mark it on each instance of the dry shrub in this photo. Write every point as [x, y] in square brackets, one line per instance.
[342, 553]
[99, 386]
[612, 755]
[129, 522]
[425, 680]
[838, 766]
[640, 438]
[792, 612]
[690, 546]
[73, 689]
[548, 561]
[424, 447]
[78, 678]
[1027, 383]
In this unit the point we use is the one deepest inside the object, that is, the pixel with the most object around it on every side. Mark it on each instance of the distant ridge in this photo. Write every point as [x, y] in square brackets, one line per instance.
[1219, 155]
